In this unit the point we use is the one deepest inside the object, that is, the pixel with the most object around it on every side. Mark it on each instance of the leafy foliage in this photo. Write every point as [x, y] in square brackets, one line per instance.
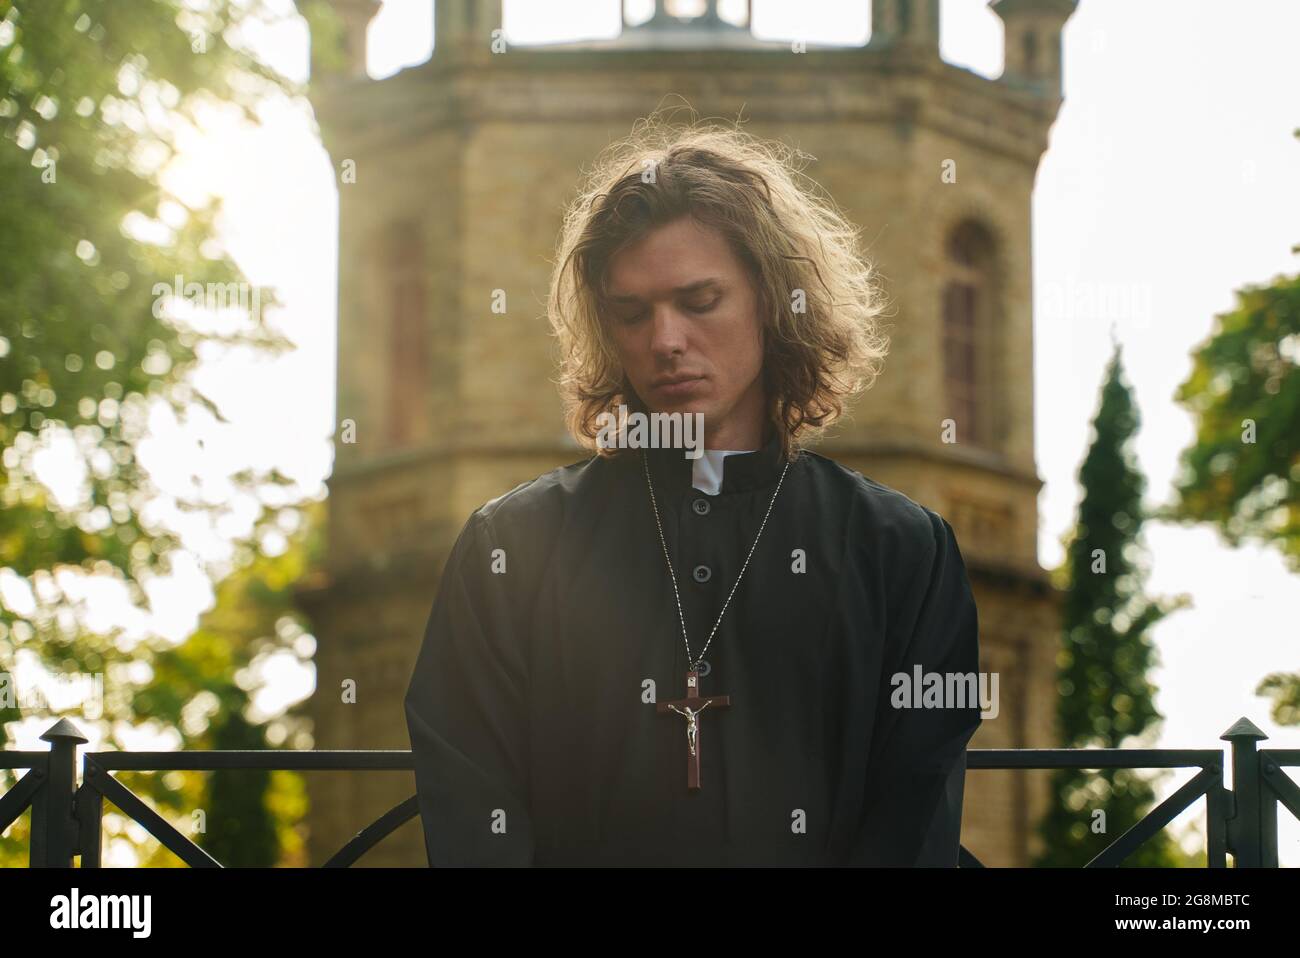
[94, 95]
[1242, 472]
[1106, 699]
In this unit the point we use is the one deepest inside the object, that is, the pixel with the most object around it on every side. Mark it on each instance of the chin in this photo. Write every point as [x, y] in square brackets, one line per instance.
[686, 407]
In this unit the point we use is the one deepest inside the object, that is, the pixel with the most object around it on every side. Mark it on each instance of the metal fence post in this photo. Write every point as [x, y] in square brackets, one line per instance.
[1246, 825]
[54, 824]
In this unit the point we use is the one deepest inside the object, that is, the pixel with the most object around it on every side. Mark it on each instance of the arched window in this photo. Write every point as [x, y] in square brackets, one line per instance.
[408, 333]
[968, 310]
[903, 11]
[1029, 49]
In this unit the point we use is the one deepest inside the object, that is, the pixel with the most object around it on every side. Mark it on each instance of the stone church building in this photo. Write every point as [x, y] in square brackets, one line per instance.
[453, 175]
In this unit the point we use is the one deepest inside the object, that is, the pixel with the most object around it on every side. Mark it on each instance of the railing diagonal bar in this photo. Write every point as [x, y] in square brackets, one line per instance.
[1281, 785]
[15, 801]
[153, 823]
[374, 833]
[1154, 820]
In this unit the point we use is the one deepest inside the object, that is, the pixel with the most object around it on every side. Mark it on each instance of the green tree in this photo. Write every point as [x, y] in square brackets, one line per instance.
[1106, 699]
[1242, 471]
[250, 817]
[93, 97]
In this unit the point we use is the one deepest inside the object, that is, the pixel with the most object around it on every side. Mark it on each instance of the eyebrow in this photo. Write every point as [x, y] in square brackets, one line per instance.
[680, 290]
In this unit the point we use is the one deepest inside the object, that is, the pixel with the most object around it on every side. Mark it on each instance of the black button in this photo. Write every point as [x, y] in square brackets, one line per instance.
[701, 507]
[703, 573]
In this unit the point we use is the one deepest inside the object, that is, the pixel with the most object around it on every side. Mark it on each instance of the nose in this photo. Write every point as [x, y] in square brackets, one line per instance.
[668, 331]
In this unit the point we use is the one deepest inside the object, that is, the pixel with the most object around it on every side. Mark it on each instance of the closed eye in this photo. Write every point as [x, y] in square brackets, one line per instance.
[628, 319]
[705, 308]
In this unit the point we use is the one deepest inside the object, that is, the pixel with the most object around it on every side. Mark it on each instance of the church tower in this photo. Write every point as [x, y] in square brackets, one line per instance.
[462, 26]
[459, 170]
[1033, 43]
[901, 24]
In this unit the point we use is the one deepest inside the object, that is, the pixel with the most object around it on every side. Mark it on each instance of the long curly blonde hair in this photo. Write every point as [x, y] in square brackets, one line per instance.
[789, 234]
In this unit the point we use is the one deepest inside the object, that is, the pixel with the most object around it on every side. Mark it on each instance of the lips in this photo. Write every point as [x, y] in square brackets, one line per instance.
[675, 381]
[678, 388]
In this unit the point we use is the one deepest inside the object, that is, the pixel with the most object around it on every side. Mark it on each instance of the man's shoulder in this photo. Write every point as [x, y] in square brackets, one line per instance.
[549, 494]
[888, 511]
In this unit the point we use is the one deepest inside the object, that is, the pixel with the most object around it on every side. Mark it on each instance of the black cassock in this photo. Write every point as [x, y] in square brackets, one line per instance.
[532, 707]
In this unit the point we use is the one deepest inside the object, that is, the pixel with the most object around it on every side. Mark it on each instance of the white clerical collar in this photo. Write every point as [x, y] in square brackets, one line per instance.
[706, 473]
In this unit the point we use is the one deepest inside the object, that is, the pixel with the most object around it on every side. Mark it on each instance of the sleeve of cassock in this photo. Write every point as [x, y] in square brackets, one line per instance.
[466, 712]
[917, 771]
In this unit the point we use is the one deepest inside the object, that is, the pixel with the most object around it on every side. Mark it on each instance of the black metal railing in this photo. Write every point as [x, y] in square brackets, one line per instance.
[66, 817]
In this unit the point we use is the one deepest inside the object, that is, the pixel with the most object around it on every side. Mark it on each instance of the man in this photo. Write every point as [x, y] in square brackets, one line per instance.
[657, 657]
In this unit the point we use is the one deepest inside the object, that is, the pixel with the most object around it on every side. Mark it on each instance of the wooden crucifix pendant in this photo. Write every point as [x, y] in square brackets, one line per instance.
[689, 708]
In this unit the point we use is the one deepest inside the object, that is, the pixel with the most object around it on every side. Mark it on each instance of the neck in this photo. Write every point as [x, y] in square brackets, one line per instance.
[736, 444]
[746, 428]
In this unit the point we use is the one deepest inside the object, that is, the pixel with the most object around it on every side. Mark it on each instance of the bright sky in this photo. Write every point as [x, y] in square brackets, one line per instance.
[1171, 179]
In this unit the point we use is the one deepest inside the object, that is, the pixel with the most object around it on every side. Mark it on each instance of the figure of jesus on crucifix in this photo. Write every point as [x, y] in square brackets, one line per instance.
[683, 707]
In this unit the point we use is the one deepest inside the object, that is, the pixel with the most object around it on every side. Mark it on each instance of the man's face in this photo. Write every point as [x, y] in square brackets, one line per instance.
[683, 315]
